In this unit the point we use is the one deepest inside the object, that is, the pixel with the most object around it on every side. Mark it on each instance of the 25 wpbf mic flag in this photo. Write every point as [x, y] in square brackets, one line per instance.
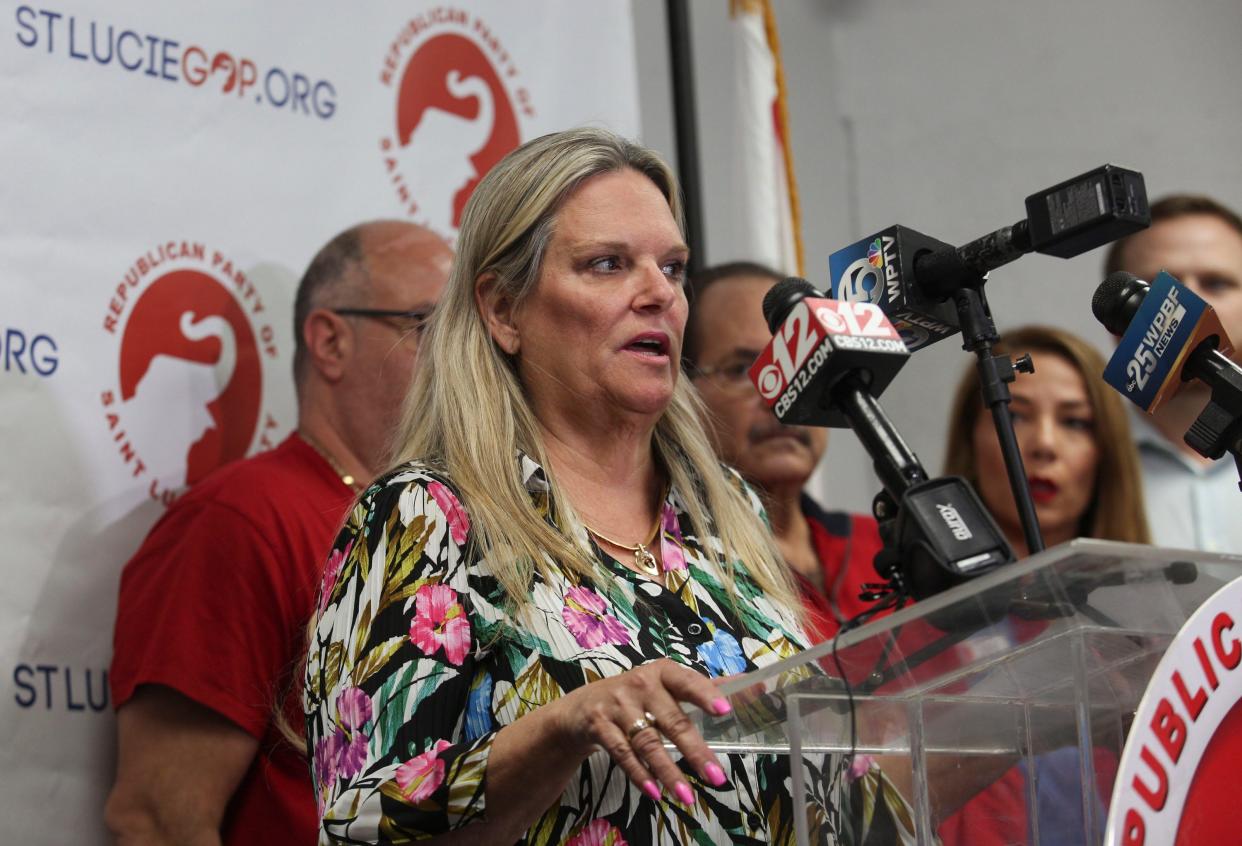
[1168, 326]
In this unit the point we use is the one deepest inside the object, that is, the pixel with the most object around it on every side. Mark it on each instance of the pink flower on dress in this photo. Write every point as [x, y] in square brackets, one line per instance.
[859, 767]
[586, 616]
[327, 754]
[331, 571]
[459, 522]
[422, 775]
[440, 621]
[598, 833]
[353, 708]
[671, 553]
[353, 711]
[353, 754]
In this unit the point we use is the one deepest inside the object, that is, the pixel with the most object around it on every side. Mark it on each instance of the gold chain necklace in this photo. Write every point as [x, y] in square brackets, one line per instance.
[644, 561]
[346, 478]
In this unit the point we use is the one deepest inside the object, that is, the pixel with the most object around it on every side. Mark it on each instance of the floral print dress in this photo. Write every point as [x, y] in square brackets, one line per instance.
[413, 667]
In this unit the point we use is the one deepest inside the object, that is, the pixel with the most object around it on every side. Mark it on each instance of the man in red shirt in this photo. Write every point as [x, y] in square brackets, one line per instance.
[830, 553]
[213, 606]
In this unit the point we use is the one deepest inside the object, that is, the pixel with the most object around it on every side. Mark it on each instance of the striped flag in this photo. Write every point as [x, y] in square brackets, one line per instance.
[767, 199]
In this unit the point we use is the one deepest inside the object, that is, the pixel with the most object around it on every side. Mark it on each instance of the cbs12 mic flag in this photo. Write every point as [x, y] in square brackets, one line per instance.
[767, 203]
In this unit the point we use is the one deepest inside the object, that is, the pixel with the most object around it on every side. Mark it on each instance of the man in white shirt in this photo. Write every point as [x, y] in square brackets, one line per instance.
[1192, 502]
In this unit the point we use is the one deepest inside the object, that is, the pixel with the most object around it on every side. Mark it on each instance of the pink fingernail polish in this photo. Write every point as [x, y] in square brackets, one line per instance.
[684, 794]
[715, 775]
[652, 790]
[721, 706]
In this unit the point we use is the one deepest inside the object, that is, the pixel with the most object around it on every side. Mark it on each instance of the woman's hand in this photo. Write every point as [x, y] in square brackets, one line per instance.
[629, 716]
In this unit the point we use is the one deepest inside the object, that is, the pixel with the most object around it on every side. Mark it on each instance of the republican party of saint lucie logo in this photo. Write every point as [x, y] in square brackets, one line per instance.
[457, 106]
[193, 344]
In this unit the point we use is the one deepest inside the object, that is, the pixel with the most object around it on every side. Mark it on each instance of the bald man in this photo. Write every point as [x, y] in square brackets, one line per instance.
[213, 607]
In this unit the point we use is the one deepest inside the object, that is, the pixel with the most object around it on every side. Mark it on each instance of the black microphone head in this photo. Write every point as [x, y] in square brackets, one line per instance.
[1181, 572]
[1117, 300]
[783, 296]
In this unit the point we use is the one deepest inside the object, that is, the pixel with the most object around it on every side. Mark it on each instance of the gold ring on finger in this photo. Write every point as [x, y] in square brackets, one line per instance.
[646, 721]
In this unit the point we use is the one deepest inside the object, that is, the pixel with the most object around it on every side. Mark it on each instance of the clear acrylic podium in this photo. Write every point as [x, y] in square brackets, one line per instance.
[1015, 690]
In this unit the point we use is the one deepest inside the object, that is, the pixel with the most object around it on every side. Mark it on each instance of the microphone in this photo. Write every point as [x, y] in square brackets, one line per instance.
[913, 277]
[817, 343]
[827, 362]
[1169, 336]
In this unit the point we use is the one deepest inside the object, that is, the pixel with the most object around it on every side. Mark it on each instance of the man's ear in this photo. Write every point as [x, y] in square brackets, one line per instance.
[329, 343]
[497, 310]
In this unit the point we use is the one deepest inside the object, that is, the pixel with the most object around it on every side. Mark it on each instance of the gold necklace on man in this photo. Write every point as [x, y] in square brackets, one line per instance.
[346, 478]
[644, 561]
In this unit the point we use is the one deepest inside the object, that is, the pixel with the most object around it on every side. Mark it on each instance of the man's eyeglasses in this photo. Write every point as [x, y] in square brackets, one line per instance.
[732, 377]
[404, 321]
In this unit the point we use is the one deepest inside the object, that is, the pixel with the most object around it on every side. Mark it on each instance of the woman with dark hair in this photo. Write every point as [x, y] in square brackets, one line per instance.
[1084, 478]
[1075, 441]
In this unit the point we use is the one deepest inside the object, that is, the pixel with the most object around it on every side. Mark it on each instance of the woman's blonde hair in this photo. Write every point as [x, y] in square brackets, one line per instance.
[468, 415]
[1116, 511]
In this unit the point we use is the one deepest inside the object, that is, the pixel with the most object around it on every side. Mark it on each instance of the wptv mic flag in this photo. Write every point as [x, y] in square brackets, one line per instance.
[171, 170]
[767, 196]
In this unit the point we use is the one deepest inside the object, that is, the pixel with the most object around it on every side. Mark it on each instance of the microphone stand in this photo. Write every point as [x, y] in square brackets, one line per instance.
[995, 374]
[906, 559]
[917, 559]
[1218, 428]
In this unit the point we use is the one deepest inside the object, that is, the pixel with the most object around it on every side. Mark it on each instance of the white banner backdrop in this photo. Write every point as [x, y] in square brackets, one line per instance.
[163, 158]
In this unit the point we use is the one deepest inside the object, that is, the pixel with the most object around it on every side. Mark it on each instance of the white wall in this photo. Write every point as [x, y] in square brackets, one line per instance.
[944, 116]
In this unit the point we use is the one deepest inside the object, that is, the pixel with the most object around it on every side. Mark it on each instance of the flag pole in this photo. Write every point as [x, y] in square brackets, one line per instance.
[782, 116]
[686, 127]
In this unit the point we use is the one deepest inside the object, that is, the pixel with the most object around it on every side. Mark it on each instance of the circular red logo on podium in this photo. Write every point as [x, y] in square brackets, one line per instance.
[1178, 772]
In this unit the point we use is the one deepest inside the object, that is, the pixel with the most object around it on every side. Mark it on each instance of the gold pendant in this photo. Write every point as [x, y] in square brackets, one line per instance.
[645, 562]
